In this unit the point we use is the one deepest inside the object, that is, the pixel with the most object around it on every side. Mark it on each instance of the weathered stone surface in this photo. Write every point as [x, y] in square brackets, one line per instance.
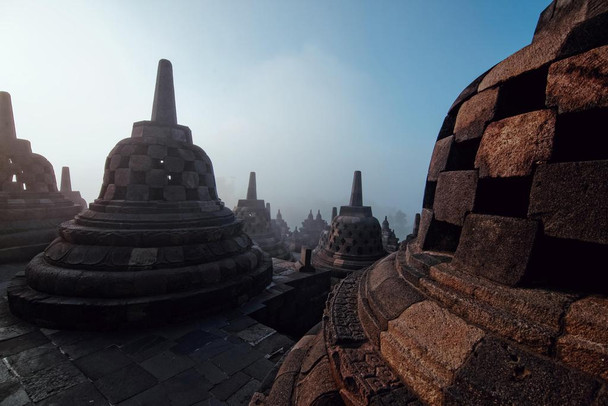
[455, 196]
[426, 345]
[474, 114]
[556, 196]
[501, 373]
[585, 343]
[439, 159]
[497, 248]
[511, 147]
[579, 82]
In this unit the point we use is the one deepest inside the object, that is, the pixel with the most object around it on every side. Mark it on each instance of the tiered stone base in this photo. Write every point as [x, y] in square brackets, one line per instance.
[273, 247]
[99, 313]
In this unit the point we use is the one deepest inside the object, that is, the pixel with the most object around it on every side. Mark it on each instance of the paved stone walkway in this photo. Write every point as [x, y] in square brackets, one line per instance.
[212, 361]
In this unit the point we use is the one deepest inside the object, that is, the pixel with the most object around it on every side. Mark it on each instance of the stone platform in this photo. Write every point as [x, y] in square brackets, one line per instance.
[222, 359]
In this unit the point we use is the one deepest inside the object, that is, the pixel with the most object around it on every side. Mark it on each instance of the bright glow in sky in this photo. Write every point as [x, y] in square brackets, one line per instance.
[302, 92]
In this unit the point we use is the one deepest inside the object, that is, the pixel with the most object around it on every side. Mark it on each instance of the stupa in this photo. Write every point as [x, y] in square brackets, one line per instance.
[354, 240]
[31, 208]
[310, 232]
[66, 189]
[390, 242]
[280, 227]
[501, 296]
[256, 217]
[157, 246]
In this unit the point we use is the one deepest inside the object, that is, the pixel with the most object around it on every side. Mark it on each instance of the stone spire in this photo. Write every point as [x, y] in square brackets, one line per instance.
[66, 182]
[279, 215]
[385, 225]
[318, 218]
[252, 193]
[268, 210]
[356, 193]
[310, 216]
[334, 212]
[163, 109]
[7, 121]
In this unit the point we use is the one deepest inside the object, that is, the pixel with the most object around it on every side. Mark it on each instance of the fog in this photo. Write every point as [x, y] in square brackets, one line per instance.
[302, 93]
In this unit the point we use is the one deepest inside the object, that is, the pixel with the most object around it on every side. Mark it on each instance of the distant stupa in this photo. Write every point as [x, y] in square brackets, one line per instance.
[66, 189]
[31, 208]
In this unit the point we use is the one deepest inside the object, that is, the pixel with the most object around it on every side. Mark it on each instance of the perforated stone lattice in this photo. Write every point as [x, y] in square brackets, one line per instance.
[26, 172]
[150, 168]
[353, 239]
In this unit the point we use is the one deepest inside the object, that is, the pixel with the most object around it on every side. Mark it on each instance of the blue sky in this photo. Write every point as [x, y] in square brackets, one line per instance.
[302, 92]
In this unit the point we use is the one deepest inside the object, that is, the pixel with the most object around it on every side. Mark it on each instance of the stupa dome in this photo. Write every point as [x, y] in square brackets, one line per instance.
[156, 246]
[500, 298]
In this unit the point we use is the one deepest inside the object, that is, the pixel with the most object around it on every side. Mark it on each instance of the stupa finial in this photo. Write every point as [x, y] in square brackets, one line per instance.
[356, 193]
[66, 182]
[163, 109]
[7, 121]
[252, 193]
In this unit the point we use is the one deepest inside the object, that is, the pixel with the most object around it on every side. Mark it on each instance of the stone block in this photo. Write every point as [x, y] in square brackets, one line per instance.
[138, 192]
[156, 178]
[140, 162]
[115, 162]
[174, 164]
[122, 176]
[455, 196]
[496, 248]
[500, 373]
[157, 151]
[557, 192]
[579, 82]
[190, 180]
[585, 343]
[110, 192]
[439, 159]
[511, 147]
[174, 193]
[474, 114]
[426, 345]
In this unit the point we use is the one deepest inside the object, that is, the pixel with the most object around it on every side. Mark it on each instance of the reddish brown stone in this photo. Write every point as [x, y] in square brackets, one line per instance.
[556, 196]
[579, 82]
[455, 196]
[510, 147]
[474, 114]
[497, 248]
[439, 159]
[426, 345]
[585, 344]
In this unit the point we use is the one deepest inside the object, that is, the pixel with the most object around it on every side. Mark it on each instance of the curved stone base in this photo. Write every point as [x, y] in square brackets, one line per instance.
[54, 311]
[341, 265]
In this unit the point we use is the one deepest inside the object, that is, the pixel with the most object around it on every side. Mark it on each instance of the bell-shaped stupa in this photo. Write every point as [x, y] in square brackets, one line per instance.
[157, 246]
[501, 298]
[354, 240]
[31, 208]
[256, 217]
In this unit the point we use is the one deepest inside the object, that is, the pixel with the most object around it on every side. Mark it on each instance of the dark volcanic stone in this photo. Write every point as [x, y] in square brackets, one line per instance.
[556, 196]
[439, 158]
[497, 248]
[102, 362]
[49, 381]
[455, 196]
[81, 394]
[124, 383]
[22, 342]
[498, 373]
[474, 114]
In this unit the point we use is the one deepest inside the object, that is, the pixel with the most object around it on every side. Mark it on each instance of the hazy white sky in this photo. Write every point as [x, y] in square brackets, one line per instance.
[302, 92]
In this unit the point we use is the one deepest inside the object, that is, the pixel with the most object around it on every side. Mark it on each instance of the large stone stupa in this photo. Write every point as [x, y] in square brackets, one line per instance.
[157, 246]
[256, 217]
[31, 208]
[354, 240]
[501, 298]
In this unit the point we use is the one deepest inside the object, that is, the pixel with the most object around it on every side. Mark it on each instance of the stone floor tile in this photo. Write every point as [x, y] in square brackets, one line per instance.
[236, 358]
[192, 341]
[102, 362]
[212, 322]
[50, 381]
[187, 388]
[243, 395]
[155, 396]
[22, 343]
[125, 383]
[255, 333]
[259, 369]
[12, 394]
[239, 323]
[274, 343]
[167, 364]
[15, 330]
[85, 347]
[25, 366]
[227, 388]
[211, 372]
[67, 337]
[211, 349]
[146, 347]
[81, 394]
